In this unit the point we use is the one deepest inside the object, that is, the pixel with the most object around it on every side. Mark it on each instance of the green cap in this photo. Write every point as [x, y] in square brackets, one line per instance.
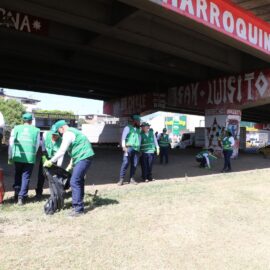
[145, 124]
[60, 124]
[164, 129]
[27, 117]
[54, 130]
[136, 117]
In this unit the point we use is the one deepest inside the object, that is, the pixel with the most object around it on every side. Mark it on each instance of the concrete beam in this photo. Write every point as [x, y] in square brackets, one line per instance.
[155, 7]
[70, 17]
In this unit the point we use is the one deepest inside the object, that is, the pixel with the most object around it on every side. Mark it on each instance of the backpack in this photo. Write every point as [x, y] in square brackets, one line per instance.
[59, 181]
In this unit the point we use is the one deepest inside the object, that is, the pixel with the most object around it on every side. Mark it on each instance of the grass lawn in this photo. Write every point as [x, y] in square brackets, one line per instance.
[214, 222]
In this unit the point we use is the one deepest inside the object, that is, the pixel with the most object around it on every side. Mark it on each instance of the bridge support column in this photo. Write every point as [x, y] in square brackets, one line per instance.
[217, 121]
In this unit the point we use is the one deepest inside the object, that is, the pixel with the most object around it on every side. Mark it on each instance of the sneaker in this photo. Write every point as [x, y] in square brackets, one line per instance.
[21, 201]
[15, 198]
[73, 213]
[132, 181]
[121, 182]
[38, 197]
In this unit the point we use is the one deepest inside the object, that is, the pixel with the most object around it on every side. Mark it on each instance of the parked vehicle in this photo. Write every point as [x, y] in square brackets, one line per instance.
[187, 140]
[265, 151]
[101, 133]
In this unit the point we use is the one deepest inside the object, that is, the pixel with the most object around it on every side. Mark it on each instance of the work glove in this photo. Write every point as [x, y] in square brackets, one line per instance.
[43, 159]
[158, 151]
[10, 162]
[47, 164]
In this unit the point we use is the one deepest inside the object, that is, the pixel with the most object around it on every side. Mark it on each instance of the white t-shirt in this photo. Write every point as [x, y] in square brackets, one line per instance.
[68, 138]
[2, 121]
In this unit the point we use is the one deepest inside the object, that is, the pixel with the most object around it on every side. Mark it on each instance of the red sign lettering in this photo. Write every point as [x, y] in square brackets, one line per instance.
[227, 18]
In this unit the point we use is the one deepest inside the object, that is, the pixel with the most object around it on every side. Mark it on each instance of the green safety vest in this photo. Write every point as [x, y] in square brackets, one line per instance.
[25, 142]
[227, 144]
[51, 147]
[164, 140]
[147, 142]
[200, 155]
[133, 138]
[81, 148]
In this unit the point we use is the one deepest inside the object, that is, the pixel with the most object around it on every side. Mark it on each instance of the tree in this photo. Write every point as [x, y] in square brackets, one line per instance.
[12, 111]
[55, 112]
[81, 122]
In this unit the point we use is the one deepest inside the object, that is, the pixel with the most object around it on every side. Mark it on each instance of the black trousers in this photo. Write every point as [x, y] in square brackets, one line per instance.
[41, 179]
[202, 161]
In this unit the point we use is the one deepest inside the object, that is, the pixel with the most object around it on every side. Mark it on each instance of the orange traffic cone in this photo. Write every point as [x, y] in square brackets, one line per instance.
[2, 187]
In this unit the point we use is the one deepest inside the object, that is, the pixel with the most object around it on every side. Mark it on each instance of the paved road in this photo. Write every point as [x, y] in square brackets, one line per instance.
[105, 168]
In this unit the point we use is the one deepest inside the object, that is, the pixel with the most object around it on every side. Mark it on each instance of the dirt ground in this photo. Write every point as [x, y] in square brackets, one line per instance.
[107, 161]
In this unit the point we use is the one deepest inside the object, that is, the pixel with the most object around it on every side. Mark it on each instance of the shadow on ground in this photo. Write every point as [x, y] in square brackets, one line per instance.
[31, 199]
[91, 201]
[107, 161]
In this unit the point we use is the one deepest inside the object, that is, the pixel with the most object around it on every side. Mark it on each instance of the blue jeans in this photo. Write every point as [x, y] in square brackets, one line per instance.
[164, 154]
[77, 183]
[132, 158]
[147, 160]
[227, 159]
[23, 173]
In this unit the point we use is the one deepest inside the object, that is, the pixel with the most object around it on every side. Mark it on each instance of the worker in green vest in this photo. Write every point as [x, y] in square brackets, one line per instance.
[131, 146]
[23, 147]
[164, 144]
[81, 153]
[50, 144]
[227, 143]
[149, 146]
[205, 157]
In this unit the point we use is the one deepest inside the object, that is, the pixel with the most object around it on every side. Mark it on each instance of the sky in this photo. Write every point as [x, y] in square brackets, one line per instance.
[79, 106]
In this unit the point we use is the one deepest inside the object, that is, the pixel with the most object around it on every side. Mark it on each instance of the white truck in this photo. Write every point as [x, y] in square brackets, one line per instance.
[102, 133]
[187, 140]
[200, 137]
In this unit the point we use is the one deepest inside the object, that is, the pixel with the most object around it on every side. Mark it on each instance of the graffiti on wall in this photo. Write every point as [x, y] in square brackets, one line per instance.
[230, 92]
[22, 22]
[216, 126]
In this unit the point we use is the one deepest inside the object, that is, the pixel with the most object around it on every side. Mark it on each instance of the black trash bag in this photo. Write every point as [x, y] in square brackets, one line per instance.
[59, 181]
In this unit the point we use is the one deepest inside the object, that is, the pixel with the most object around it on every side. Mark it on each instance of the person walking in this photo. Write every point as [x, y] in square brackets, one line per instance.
[149, 146]
[81, 153]
[23, 147]
[164, 144]
[50, 144]
[227, 145]
[131, 146]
